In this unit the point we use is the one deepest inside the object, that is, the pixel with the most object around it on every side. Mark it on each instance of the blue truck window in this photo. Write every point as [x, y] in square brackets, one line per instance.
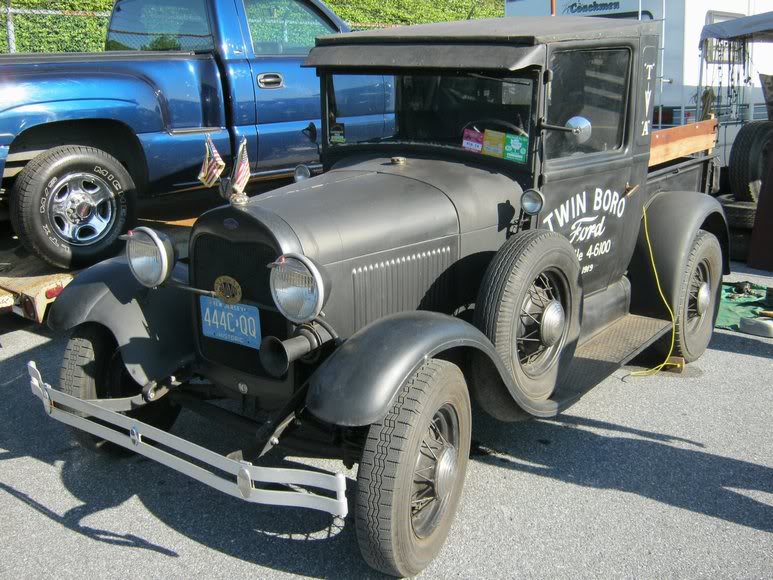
[160, 25]
[284, 26]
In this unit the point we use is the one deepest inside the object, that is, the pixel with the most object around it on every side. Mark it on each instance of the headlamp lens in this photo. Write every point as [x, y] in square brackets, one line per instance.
[296, 289]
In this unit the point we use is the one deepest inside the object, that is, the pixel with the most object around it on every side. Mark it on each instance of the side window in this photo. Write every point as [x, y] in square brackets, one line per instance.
[160, 25]
[284, 26]
[592, 84]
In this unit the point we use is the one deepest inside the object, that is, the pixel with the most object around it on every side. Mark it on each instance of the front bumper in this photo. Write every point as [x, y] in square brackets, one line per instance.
[146, 440]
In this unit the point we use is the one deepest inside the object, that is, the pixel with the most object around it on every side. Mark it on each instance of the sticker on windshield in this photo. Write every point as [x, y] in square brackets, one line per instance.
[338, 133]
[516, 148]
[494, 143]
[473, 140]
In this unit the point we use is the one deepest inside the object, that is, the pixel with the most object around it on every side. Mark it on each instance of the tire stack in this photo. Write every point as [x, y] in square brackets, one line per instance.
[745, 170]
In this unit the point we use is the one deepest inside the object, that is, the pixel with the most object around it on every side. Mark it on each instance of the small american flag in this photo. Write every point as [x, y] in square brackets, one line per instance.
[241, 174]
[213, 164]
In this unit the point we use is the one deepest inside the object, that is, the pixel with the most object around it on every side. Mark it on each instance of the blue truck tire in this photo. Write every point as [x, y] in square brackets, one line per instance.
[70, 205]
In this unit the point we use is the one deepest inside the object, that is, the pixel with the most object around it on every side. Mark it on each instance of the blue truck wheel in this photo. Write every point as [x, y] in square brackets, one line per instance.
[70, 205]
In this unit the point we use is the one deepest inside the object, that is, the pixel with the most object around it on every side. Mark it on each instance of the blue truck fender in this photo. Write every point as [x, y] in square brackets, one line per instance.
[129, 100]
[151, 327]
[358, 383]
[673, 218]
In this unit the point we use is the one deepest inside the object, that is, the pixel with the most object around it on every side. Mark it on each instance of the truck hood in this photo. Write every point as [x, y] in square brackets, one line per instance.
[368, 205]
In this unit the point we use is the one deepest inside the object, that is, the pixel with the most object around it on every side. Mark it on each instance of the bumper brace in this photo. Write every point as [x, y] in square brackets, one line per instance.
[148, 441]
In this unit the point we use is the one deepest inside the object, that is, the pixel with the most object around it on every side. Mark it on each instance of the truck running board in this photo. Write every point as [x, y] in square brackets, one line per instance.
[606, 352]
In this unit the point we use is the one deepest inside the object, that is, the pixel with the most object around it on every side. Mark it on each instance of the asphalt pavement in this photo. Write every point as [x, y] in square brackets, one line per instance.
[661, 477]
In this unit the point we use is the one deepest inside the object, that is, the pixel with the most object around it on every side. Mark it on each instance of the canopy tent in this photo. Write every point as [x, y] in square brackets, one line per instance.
[755, 28]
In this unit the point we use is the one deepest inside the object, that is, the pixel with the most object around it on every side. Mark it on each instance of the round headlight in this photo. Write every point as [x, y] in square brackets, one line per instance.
[297, 288]
[532, 202]
[301, 173]
[151, 256]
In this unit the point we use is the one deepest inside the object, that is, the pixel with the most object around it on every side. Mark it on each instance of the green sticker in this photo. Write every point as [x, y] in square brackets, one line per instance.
[338, 133]
[516, 148]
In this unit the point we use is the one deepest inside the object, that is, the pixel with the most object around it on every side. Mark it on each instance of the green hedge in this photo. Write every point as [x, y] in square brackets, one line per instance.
[41, 33]
[414, 11]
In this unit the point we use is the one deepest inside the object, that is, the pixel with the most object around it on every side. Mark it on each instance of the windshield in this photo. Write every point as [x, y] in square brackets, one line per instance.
[478, 113]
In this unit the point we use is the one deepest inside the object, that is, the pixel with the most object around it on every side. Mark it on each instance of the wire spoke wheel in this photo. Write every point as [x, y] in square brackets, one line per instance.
[435, 471]
[698, 299]
[412, 471]
[699, 294]
[540, 327]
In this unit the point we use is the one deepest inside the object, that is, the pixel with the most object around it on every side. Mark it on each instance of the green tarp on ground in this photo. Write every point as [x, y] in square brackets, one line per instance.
[735, 305]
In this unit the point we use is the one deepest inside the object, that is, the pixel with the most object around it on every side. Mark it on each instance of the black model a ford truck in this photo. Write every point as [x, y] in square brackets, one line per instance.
[506, 243]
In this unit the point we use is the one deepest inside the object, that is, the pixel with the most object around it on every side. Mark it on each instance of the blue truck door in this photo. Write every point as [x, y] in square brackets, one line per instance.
[286, 94]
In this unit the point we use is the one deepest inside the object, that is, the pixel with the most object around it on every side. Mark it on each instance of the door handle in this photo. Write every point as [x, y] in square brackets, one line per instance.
[630, 189]
[270, 81]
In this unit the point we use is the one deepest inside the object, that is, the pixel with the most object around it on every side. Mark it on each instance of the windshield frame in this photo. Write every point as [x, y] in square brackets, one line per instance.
[332, 152]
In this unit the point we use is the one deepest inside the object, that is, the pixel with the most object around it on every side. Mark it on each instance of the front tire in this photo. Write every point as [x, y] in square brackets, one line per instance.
[92, 368]
[699, 295]
[412, 471]
[70, 204]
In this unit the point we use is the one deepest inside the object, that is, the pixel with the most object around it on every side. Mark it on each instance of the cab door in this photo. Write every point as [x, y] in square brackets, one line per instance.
[287, 95]
[590, 185]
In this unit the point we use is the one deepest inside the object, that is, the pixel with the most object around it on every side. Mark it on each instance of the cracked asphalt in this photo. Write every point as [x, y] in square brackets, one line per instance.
[661, 477]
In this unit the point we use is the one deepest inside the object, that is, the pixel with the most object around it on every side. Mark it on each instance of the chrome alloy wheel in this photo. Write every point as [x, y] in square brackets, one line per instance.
[541, 327]
[436, 471]
[82, 209]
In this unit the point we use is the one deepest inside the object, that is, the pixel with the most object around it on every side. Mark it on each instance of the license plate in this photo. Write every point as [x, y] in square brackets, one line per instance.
[237, 323]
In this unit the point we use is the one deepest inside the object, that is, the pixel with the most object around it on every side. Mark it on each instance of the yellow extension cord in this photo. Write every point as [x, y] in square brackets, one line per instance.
[665, 363]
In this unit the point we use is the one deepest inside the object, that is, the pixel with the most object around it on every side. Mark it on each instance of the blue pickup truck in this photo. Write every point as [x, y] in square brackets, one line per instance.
[83, 135]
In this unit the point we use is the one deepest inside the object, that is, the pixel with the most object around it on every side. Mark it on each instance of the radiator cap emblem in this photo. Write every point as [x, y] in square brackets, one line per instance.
[228, 290]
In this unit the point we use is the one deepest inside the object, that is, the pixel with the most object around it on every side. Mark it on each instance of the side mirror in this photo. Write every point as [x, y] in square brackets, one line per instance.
[311, 132]
[580, 128]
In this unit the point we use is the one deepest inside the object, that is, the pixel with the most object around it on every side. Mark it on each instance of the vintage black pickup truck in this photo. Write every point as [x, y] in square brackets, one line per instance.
[507, 244]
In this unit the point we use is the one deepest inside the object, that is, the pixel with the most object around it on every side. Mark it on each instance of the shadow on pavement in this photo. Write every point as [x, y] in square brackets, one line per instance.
[739, 343]
[649, 465]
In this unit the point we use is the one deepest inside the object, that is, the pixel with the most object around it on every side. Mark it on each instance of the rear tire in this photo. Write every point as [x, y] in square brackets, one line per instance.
[92, 368]
[70, 204]
[410, 479]
[695, 320]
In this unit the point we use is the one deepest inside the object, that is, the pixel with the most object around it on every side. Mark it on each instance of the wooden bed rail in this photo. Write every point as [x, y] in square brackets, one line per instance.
[669, 144]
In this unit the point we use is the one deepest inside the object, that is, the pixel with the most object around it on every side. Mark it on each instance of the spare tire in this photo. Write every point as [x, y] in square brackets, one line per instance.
[529, 305]
[740, 214]
[746, 166]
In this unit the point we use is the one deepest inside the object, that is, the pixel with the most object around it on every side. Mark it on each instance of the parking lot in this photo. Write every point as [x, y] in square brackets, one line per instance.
[666, 476]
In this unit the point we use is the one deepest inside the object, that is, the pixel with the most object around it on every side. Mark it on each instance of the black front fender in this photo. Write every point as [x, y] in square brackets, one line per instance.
[152, 327]
[358, 383]
[673, 218]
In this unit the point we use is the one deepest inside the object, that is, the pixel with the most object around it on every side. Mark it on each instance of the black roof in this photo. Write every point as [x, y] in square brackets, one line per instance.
[496, 44]
[520, 30]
